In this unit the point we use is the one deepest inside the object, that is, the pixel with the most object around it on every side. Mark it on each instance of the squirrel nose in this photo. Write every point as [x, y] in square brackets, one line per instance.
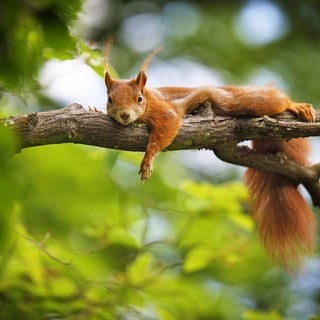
[124, 116]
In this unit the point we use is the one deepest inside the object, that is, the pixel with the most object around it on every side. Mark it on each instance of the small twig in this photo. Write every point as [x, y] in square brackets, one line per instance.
[41, 246]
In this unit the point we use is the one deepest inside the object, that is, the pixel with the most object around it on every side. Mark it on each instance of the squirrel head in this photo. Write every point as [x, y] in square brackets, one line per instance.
[126, 101]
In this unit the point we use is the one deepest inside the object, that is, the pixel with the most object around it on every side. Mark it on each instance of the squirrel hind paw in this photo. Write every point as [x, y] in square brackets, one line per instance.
[304, 110]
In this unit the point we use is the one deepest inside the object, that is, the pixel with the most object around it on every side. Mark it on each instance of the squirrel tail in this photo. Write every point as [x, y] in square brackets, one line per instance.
[286, 224]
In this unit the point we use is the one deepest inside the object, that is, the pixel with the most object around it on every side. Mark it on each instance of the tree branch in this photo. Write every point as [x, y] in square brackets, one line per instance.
[74, 124]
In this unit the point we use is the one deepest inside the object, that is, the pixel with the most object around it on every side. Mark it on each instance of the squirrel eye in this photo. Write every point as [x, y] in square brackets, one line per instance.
[140, 99]
[109, 100]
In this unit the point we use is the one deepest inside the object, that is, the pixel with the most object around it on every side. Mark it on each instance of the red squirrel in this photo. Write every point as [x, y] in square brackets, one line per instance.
[286, 224]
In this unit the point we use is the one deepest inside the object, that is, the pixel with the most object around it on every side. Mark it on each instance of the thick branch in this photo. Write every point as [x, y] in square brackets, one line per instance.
[74, 124]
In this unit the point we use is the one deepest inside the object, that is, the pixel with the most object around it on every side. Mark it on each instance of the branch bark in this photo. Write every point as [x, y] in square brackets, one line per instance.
[75, 124]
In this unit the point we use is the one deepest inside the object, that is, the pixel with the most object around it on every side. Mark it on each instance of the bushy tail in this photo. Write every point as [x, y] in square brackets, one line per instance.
[287, 226]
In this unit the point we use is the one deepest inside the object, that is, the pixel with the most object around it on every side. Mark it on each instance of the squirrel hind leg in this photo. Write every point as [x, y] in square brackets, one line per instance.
[303, 110]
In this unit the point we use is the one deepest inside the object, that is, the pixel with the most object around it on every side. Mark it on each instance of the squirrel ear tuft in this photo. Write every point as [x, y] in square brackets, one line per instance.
[108, 80]
[141, 79]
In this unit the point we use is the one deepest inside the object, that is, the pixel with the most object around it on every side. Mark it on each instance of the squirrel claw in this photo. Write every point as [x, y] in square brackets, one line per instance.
[144, 175]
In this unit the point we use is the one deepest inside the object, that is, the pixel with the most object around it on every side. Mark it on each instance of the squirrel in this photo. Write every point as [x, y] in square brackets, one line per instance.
[286, 224]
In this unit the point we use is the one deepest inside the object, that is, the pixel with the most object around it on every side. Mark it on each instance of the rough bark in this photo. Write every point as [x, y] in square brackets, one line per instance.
[75, 124]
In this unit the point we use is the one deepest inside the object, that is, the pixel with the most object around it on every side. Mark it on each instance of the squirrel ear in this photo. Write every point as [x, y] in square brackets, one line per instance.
[141, 79]
[108, 80]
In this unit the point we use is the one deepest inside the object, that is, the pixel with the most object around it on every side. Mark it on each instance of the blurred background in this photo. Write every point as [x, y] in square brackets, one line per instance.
[81, 237]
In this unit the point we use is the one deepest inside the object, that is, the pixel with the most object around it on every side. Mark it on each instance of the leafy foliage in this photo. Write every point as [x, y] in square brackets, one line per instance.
[83, 242]
[103, 238]
[31, 32]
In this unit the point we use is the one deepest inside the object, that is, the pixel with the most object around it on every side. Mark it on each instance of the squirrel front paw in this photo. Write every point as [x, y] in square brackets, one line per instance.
[145, 169]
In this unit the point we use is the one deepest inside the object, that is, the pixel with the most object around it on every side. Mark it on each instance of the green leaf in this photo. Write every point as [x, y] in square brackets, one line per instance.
[122, 237]
[165, 314]
[197, 259]
[256, 315]
[140, 270]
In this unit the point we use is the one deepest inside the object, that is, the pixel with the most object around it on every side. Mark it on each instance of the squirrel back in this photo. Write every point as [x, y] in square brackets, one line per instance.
[286, 224]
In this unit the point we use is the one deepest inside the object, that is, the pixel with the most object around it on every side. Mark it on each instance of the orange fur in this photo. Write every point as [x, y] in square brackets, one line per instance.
[286, 224]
